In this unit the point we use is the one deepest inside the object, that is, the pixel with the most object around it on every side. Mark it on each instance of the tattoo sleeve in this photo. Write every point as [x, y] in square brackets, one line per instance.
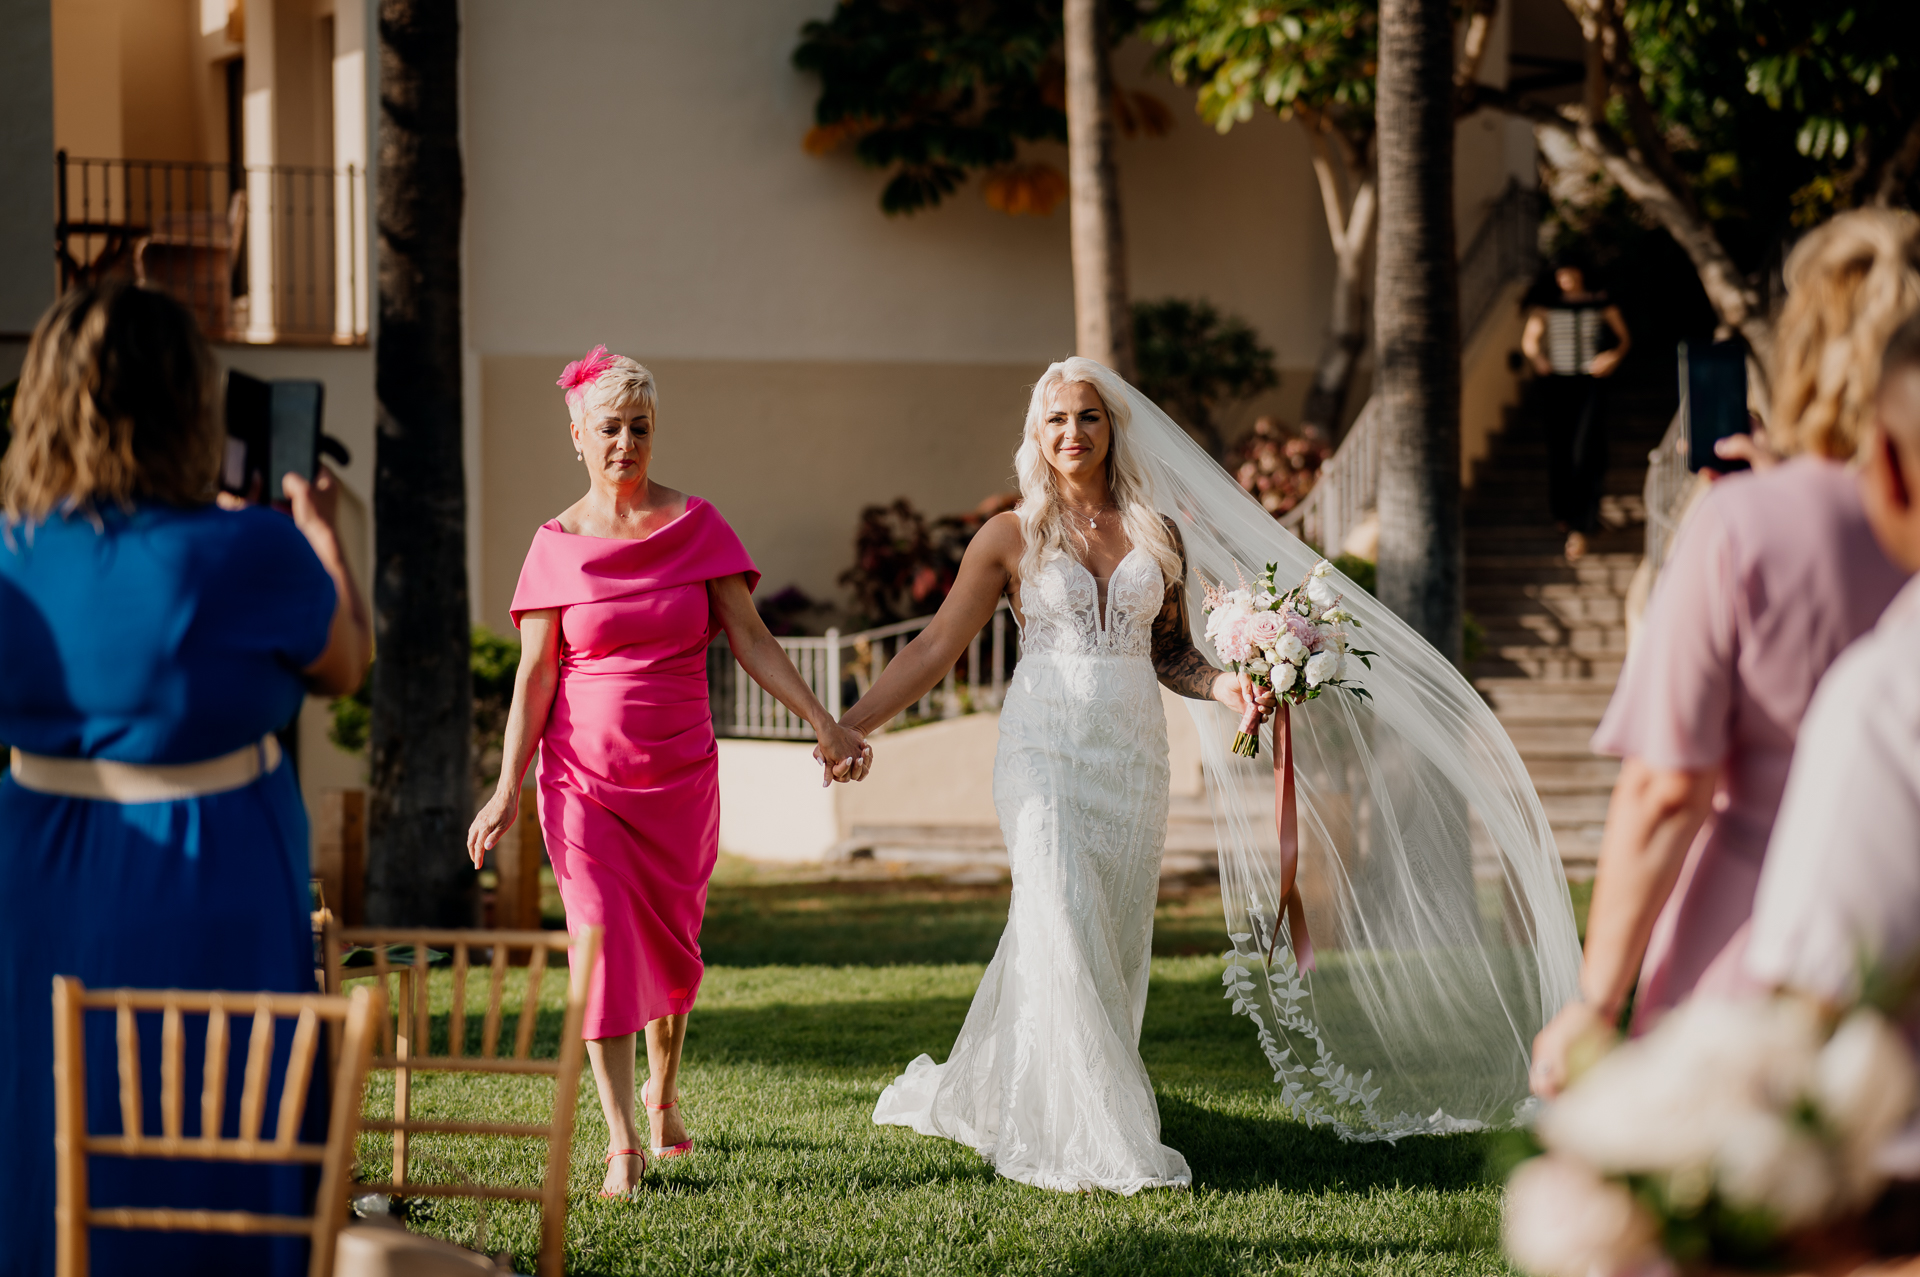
[1181, 668]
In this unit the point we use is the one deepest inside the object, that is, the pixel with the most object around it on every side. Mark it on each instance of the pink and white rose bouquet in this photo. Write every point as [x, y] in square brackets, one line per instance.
[1294, 642]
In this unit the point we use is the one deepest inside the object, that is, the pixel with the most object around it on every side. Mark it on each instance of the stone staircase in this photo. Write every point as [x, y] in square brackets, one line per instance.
[1556, 631]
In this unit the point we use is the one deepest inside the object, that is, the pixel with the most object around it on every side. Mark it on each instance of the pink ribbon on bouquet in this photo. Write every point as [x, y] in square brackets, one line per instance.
[1286, 819]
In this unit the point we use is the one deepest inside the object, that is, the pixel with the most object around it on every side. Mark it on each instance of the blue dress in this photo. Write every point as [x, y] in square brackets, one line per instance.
[160, 635]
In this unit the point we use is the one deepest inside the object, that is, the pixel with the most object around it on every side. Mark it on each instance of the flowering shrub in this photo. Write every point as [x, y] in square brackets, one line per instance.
[1278, 466]
[904, 563]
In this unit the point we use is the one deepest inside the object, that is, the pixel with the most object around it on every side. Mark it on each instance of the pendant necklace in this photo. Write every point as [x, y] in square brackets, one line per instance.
[1092, 524]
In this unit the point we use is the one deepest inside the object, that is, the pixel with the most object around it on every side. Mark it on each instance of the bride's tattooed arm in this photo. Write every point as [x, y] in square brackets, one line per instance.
[1181, 668]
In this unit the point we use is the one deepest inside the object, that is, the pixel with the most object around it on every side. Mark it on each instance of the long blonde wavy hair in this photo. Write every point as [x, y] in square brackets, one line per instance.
[1850, 283]
[1044, 520]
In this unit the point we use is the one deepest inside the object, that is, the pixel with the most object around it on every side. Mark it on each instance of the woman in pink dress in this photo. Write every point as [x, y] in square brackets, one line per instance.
[1774, 573]
[617, 602]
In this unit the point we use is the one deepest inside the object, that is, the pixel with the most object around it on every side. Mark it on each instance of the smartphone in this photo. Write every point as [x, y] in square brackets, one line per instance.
[1713, 395]
[273, 430]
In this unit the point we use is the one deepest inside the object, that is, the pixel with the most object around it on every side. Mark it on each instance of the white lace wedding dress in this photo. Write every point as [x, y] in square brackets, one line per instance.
[1045, 1079]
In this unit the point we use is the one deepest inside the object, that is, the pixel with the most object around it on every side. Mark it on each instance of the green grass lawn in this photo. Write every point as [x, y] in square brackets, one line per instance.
[819, 992]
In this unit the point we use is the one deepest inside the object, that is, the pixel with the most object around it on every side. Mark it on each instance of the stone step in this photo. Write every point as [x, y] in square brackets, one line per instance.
[1524, 664]
[1602, 611]
[1544, 629]
[1622, 531]
[1576, 810]
[1565, 771]
[1549, 737]
[1614, 570]
[1553, 700]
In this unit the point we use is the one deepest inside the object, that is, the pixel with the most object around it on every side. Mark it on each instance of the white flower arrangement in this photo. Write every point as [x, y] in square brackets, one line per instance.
[1291, 641]
[1728, 1128]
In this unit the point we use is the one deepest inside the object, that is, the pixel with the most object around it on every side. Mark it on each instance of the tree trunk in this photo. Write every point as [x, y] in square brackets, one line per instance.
[1340, 351]
[1351, 233]
[1417, 324]
[1103, 319]
[422, 686]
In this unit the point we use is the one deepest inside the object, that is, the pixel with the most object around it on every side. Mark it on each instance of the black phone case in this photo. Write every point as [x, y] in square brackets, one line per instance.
[1713, 387]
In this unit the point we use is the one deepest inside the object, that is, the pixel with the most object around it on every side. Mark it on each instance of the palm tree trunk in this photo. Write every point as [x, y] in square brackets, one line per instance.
[1103, 319]
[422, 686]
[1417, 324]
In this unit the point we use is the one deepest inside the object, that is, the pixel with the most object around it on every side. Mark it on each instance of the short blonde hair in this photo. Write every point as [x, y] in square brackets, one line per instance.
[623, 381]
[114, 403]
[1850, 284]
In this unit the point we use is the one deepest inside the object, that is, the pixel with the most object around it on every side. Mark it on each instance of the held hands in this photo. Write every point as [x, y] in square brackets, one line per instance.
[491, 824]
[843, 755]
[1237, 691]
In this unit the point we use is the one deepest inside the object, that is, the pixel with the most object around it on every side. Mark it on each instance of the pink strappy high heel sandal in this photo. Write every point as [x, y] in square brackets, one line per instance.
[663, 1152]
[625, 1152]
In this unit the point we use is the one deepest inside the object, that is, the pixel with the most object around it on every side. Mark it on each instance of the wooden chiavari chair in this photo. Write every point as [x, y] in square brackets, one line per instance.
[404, 1038]
[355, 1019]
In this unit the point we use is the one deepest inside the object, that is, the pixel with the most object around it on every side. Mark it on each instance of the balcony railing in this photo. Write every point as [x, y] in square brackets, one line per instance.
[272, 254]
[841, 667]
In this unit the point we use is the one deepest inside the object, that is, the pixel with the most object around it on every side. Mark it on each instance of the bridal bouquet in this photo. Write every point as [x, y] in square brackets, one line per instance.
[1292, 642]
[1722, 1137]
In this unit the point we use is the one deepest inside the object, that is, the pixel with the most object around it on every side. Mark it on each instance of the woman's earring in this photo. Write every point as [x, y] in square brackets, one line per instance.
[577, 456]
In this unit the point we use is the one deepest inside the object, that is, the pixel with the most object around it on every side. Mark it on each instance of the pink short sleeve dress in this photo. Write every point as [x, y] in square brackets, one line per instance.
[1774, 574]
[629, 773]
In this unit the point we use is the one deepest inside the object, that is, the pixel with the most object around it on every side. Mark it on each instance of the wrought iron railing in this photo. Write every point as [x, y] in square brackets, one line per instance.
[841, 667]
[1505, 248]
[259, 253]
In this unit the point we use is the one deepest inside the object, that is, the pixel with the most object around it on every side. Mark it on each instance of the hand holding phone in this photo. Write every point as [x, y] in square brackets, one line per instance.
[273, 431]
[1713, 397]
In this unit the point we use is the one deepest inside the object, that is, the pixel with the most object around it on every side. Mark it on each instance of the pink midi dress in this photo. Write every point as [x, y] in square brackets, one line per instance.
[1773, 575]
[629, 772]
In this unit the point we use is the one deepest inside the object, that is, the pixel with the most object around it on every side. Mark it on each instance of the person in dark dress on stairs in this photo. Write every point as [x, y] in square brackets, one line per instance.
[1575, 340]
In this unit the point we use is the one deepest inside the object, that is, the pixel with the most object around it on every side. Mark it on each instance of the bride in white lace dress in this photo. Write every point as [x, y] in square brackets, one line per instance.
[1045, 1079]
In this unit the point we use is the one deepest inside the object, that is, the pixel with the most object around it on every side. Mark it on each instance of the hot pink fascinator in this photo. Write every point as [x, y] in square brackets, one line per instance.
[581, 373]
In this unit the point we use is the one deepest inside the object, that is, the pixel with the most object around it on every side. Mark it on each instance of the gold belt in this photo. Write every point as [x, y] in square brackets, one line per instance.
[106, 781]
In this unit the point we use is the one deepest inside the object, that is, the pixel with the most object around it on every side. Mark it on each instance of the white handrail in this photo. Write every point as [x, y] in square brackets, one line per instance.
[741, 707]
[1346, 490]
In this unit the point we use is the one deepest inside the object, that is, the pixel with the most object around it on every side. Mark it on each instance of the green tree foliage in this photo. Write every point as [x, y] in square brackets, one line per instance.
[1780, 114]
[1733, 124]
[933, 90]
[1283, 55]
[1194, 362]
[904, 563]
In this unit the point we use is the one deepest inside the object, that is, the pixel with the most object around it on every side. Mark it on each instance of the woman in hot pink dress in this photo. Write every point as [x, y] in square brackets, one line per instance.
[617, 602]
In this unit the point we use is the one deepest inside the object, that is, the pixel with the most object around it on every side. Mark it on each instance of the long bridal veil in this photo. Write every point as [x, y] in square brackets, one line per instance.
[1442, 928]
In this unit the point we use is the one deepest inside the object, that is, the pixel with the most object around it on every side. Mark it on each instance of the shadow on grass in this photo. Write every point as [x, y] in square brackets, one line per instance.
[1236, 1152]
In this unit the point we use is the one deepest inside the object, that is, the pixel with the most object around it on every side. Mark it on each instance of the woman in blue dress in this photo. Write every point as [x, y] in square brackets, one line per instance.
[150, 833]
